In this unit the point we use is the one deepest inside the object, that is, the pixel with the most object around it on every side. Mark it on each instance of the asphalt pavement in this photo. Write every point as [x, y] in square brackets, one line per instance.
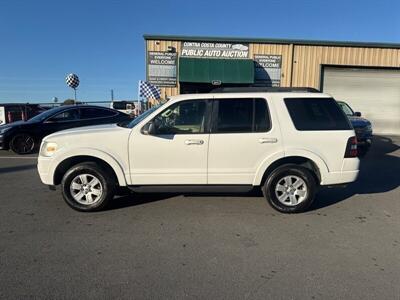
[203, 247]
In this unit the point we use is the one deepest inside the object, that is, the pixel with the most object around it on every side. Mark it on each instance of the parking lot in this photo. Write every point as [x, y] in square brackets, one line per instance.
[203, 247]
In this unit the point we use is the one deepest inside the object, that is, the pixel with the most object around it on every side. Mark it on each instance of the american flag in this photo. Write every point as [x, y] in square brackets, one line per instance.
[148, 90]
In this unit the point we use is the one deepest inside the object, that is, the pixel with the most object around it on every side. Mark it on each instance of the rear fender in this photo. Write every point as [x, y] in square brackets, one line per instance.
[319, 162]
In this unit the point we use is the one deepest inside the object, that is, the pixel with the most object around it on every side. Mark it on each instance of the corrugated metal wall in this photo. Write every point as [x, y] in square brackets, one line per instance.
[307, 60]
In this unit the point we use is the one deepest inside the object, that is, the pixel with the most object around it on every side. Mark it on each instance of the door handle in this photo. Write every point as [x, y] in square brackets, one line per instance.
[194, 142]
[267, 140]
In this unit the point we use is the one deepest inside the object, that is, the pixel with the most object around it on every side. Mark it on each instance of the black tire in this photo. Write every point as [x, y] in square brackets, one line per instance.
[304, 194]
[22, 143]
[71, 179]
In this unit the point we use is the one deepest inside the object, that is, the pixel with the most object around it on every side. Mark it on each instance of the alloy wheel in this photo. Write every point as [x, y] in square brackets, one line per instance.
[86, 189]
[23, 144]
[291, 190]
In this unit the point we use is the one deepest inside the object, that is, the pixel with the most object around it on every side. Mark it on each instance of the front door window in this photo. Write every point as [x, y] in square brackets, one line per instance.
[65, 116]
[186, 117]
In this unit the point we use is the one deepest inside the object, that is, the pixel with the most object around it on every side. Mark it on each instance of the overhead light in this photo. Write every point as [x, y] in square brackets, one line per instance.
[171, 49]
[216, 82]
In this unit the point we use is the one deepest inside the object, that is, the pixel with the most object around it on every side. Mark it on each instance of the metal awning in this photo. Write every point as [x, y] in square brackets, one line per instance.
[209, 70]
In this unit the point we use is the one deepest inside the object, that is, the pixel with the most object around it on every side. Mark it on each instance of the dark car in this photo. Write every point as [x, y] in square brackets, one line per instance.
[25, 137]
[362, 127]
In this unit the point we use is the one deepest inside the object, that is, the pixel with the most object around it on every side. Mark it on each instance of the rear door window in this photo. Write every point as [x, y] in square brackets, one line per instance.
[93, 113]
[316, 114]
[241, 116]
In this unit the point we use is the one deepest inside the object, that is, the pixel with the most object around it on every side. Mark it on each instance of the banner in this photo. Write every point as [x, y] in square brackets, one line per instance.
[2, 115]
[267, 69]
[215, 50]
[161, 68]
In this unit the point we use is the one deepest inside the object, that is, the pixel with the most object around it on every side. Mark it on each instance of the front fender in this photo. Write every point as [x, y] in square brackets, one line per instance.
[106, 157]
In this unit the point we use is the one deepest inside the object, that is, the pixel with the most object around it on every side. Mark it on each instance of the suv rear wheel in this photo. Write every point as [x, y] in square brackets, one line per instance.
[88, 187]
[290, 188]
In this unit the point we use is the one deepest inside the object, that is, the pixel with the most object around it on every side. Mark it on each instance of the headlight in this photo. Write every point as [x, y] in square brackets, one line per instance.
[48, 149]
[3, 130]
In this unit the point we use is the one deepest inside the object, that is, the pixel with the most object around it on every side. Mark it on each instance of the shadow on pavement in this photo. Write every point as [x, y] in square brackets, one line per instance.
[379, 173]
[131, 199]
[17, 168]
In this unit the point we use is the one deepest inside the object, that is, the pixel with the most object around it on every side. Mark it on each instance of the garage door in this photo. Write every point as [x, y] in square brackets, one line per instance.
[373, 92]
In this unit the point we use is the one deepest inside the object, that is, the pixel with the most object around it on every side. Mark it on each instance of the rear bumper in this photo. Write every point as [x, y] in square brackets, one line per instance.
[334, 178]
[349, 173]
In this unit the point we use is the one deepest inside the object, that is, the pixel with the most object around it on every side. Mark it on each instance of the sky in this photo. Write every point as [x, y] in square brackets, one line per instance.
[102, 42]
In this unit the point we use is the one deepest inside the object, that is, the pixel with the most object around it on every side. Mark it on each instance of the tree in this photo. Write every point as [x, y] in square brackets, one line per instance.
[71, 102]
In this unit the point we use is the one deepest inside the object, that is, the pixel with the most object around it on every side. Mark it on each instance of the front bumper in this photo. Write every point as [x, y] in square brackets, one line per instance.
[44, 170]
[2, 143]
[364, 137]
[366, 143]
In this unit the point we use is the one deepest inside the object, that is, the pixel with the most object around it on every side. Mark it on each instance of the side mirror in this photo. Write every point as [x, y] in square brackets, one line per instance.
[357, 114]
[149, 128]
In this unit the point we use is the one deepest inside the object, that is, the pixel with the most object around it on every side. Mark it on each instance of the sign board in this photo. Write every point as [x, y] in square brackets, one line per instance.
[2, 115]
[267, 69]
[161, 68]
[215, 50]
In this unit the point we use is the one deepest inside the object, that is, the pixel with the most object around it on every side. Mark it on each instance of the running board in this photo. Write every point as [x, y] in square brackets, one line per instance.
[191, 188]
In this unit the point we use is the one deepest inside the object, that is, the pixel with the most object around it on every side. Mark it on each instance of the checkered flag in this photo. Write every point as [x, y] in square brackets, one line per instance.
[72, 80]
[147, 90]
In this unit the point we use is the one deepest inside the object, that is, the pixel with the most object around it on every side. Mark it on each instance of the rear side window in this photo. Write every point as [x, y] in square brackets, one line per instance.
[316, 114]
[92, 113]
[241, 115]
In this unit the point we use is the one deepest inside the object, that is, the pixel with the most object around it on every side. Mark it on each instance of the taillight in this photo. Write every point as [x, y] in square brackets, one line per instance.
[351, 148]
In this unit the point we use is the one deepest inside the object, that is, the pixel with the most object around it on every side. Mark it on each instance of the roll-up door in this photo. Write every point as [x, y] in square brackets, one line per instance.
[373, 92]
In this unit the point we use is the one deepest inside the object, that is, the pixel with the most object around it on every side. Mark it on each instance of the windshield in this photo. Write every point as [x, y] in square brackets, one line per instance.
[141, 117]
[346, 108]
[44, 115]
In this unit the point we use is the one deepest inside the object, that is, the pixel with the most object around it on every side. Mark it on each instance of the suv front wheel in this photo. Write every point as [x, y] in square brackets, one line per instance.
[290, 188]
[87, 187]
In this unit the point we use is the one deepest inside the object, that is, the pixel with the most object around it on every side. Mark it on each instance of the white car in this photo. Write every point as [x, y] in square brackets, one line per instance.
[288, 143]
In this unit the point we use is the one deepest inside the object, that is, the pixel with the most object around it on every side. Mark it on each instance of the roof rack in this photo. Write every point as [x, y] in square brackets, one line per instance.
[251, 89]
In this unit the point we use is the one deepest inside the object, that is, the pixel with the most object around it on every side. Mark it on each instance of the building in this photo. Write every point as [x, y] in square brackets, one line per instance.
[365, 75]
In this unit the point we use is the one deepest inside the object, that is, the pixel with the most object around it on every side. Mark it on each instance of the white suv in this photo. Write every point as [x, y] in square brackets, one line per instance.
[287, 143]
